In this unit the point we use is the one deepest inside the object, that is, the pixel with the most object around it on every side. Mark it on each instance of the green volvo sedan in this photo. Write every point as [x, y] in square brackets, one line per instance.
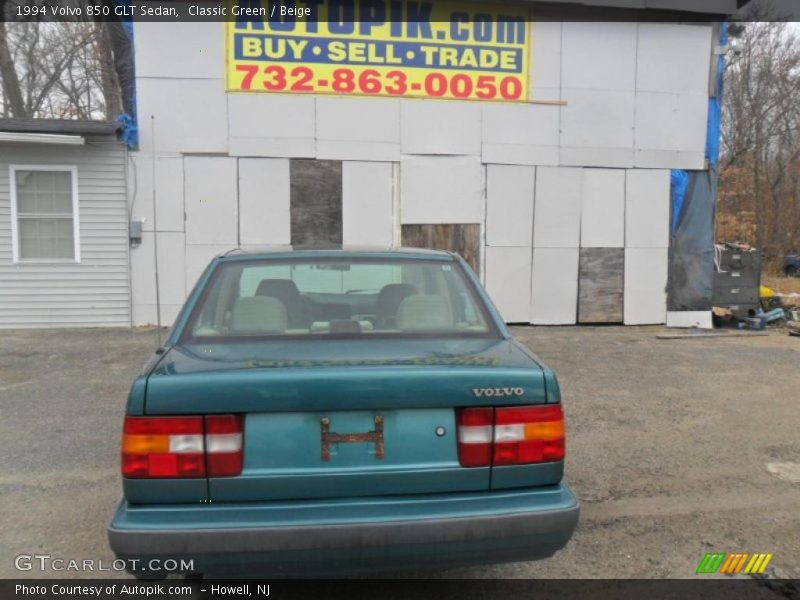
[341, 411]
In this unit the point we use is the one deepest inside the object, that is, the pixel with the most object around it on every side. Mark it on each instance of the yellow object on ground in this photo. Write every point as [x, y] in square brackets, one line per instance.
[767, 292]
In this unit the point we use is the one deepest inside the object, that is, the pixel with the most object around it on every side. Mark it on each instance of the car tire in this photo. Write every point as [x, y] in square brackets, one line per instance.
[792, 271]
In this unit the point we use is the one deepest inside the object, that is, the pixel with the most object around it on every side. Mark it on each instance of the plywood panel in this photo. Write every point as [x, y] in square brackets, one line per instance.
[358, 119]
[171, 268]
[264, 201]
[428, 127]
[190, 115]
[600, 284]
[647, 200]
[211, 207]
[272, 125]
[670, 122]
[557, 210]
[546, 55]
[197, 259]
[509, 205]
[645, 284]
[463, 238]
[508, 281]
[316, 202]
[554, 286]
[446, 189]
[603, 208]
[169, 192]
[522, 134]
[674, 58]
[199, 54]
[367, 203]
[597, 128]
[599, 56]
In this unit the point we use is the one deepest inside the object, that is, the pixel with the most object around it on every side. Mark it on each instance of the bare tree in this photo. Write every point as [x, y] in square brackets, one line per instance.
[761, 139]
[62, 70]
[11, 87]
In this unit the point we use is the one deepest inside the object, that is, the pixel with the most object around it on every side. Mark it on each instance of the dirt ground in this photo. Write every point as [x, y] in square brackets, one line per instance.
[668, 449]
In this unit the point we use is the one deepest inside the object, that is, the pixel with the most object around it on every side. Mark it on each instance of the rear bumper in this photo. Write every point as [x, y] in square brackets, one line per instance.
[352, 534]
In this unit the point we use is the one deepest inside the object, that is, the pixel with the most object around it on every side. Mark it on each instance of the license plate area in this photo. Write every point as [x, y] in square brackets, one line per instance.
[370, 437]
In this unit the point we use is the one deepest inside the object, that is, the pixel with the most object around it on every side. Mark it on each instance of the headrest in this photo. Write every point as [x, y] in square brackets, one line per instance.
[258, 314]
[279, 288]
[422, 312]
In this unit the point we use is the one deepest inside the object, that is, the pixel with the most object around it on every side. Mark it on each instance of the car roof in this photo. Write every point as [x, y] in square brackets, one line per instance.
[336, 252]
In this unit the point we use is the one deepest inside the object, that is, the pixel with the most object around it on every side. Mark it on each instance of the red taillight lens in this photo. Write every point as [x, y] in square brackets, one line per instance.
[528, 434]
[224, 445]
[181, 447]
[163, 447]
[475, 437]
[513, 435]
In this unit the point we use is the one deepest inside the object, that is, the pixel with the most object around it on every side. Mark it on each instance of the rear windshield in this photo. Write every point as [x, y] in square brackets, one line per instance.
[343, 298]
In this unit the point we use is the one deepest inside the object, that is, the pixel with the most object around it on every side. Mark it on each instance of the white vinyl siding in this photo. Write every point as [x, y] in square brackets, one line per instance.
[44, 213]
[92, 288]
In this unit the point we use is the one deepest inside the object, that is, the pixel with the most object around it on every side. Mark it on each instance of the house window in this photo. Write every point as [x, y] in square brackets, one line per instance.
[44, 213]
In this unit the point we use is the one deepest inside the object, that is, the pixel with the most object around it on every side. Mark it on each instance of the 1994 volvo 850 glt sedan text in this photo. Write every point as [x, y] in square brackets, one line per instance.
[336, 411]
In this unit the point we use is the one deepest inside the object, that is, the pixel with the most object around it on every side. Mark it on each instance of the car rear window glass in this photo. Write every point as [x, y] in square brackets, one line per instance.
[356, 297]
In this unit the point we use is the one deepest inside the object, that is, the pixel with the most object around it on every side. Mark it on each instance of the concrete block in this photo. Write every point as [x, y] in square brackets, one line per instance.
[272, 125]
[603, 208]
[674, 58]
[264, 201]
[509, 205]
[437, 127]
[599, 55]
[190, 115]
[508, 281]
[645, 286]
[200, 53]
[597, 128]
[446, 189]
[672, 122]
[647, 205]
[210, 200]
[557, 210]
[367, 203]
[554, 286]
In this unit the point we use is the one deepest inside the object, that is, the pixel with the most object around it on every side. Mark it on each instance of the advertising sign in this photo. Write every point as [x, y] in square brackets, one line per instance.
[409, 48]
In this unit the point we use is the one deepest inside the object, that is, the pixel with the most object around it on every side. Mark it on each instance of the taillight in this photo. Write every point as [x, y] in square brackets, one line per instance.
[224, 445]
[512, 435]
[180, 447]
[475, 436]
[528, 434]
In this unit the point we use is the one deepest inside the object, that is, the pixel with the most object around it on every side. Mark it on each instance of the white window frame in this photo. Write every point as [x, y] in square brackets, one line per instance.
[76, 240]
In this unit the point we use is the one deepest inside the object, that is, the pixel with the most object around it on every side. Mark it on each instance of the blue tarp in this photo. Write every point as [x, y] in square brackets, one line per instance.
[694, 196]
[715, 105]
[124, 62]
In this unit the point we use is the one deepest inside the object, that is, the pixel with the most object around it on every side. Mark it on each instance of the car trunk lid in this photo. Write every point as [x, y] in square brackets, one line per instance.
[378, 420]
